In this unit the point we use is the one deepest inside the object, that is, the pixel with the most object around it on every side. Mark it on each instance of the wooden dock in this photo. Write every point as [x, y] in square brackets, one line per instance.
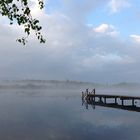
[117, 101]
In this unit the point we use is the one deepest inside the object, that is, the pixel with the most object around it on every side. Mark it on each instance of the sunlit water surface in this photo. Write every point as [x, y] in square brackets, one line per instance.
[59, 115]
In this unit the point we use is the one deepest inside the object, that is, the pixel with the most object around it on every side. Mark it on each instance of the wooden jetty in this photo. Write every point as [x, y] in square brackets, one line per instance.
[90, 98]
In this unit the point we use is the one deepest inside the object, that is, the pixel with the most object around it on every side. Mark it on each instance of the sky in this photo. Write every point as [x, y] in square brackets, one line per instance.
[87, 40]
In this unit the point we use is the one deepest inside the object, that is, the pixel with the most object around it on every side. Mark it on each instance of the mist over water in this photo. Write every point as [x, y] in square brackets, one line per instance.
[52, 110]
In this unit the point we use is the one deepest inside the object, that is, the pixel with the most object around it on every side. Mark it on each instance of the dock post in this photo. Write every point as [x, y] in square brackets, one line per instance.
[94, 94]
[87, 91]
[115, 100]
[105, 100]
[82, 96]
[100, 98]
[86, 105]
[90, 99]
[122, 102]
[133, 102]
[94, 91]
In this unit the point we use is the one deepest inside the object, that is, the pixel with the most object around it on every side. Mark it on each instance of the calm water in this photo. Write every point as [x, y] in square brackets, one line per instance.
[59, 115]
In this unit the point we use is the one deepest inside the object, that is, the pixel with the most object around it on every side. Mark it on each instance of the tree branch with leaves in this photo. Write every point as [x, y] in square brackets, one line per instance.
[19, 11]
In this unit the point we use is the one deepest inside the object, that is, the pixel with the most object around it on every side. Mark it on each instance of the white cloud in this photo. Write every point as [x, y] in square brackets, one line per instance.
[106, 29]
[136, 38]
[73, 51]
[117, 5]
[102, 28]
[101, 60]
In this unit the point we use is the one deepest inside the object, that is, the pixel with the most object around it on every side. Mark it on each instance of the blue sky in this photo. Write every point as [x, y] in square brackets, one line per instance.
[94, 41]
[125, 18]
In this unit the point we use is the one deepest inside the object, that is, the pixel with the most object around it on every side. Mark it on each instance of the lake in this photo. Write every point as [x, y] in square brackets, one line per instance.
[57, 114]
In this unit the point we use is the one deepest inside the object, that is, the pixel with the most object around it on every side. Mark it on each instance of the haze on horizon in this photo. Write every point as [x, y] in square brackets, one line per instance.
[93, 41]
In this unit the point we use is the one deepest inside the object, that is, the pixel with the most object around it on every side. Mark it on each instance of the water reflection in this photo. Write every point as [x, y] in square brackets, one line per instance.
[39, 117]
[94, 103]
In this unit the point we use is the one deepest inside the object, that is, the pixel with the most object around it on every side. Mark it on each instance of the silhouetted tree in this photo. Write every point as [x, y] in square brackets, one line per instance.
[18, 11]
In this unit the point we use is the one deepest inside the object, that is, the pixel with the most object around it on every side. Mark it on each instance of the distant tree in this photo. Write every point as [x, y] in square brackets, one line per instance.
[18, 11]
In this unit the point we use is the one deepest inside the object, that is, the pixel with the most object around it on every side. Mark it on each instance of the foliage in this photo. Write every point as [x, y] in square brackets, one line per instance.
[19, 11]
